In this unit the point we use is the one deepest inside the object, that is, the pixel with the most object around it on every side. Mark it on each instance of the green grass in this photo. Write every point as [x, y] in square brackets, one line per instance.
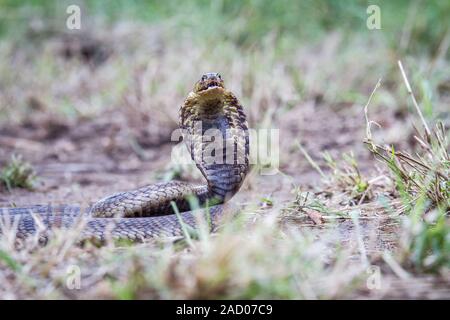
[18, 173]
[426, 239]
[248, 23]
[348, 177]
[422, 182]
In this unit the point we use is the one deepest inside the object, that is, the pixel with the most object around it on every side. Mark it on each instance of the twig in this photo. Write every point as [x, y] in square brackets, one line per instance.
[441, 51]
[408, 159]
[408, 88]
[362, 249]
[395, 267]
[310, 160]
[368, 123]
[409, 24]
[314, 215]
[184, 226]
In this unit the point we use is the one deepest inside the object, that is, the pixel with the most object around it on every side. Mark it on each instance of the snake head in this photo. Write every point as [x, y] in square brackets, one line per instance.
[209, 82]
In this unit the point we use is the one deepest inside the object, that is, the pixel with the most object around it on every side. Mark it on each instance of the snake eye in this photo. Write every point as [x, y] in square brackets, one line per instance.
[219, 76]
[204, 77]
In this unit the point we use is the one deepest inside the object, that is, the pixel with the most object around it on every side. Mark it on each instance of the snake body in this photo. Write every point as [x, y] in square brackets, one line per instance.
[214, 129]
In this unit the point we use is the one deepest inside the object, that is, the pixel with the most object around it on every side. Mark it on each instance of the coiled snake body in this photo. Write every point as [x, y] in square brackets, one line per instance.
[215, 131]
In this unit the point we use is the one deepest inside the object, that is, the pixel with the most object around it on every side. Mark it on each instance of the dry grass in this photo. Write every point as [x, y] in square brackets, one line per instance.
[17, 173]
[232, 264]
[422, 182]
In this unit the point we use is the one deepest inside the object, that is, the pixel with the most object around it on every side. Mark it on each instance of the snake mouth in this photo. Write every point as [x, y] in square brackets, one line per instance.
[210, 85]
[210, 82]
[213, 91]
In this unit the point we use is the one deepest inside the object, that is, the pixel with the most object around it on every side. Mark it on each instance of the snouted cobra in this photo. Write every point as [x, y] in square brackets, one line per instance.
[215, 131]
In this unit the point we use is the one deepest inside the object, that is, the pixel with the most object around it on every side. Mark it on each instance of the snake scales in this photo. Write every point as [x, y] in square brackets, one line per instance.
[215, 131]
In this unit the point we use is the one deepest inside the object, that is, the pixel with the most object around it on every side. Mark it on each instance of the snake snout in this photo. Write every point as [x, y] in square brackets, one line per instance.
[208, 81]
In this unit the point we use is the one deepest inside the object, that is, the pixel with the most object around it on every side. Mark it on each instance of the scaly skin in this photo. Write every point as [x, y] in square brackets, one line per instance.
[147, 212]
[217, 108]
